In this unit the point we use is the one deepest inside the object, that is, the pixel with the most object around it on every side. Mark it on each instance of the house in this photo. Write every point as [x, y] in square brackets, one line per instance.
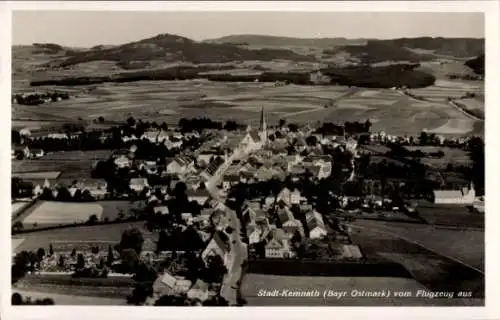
[122, 161]
[138, 184]
[198, 291]
[219, 219]
[230, 180]
[204, 158]
[57, 136]
[150, 135]
[315, 225]
[254, 232]
[213, 167]
[178, 165]
[161, 210]
[464, 196]
[24, 150]
[278, 245]
[167, 284]
[36, 153]
[186, 216]
[218, 245]
[289, 224]
[199, 195]
[285, 195]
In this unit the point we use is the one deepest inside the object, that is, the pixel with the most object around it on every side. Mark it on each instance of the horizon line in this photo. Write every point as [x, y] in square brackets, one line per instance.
[250, 34]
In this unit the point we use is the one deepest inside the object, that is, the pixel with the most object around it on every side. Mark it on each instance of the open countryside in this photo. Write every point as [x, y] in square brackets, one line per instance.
[249, 170]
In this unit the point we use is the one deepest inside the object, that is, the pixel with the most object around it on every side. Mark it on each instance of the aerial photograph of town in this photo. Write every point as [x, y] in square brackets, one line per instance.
[247, 158]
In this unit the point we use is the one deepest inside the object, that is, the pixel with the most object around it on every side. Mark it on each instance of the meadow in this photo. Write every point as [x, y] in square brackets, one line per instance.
[56, 213]
[80, 237]
[465, 245]
[169, 101]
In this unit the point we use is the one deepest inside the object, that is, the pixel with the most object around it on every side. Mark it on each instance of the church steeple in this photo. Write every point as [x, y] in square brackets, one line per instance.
[263, 126]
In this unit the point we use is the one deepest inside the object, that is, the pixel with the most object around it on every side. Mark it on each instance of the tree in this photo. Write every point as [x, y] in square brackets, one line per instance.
[63, 194]
[17, 226]
[131, 122]
[40, 253]
[100, 119]
[282, 123]
[80, 261]
[130, 260]
[215, 269]
[51, 250]
[216, 301]
[132, 239]
[61, 261]
[92, 219]
[17, 299]
[73, 253]
[95, 250]
[110, 258]
[47, 195]
[140, 293]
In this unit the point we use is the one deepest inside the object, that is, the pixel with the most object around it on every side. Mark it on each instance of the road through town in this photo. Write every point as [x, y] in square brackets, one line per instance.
[238, 251]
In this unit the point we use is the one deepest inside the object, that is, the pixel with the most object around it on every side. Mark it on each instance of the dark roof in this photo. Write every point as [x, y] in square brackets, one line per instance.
[255, 135]
[232, 177]
[197, 193]
[214, 165]
[222, 240]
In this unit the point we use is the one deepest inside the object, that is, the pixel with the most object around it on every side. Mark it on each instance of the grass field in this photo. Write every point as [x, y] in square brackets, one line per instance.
[434, 270]
[170, 100]
[451, 155]
[252, 283]
[68, 170]
[106, 234]
[465, 245]
[55, 213]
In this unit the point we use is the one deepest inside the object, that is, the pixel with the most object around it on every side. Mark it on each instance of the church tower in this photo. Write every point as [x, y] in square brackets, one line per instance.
[263, 126]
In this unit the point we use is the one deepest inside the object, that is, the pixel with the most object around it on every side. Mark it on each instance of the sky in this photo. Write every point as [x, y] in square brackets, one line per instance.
[90, 28]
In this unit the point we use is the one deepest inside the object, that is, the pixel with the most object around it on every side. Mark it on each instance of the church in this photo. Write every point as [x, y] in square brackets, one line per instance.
[256, 139]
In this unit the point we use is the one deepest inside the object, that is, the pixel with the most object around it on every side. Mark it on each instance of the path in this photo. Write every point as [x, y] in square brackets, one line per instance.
[237, 252]
[451, 103]
[333, 101]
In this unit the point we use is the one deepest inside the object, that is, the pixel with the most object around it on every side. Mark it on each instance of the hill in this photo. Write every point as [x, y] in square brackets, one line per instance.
[262, 40]
[375, 51]
[172, 48]
[455, 47]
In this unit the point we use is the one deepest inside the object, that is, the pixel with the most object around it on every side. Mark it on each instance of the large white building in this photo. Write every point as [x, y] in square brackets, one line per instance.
[464, 196]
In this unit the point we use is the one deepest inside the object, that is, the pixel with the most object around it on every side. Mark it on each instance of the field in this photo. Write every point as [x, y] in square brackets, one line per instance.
[436, 271]
[451, 155]
[252, 283]
[61, 166]
[80, 237]
[54, 213]
[465, 245]
[171, 100]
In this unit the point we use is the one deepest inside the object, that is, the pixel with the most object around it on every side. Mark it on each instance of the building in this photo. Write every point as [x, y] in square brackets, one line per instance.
[198, 291]
[218, 245]
[178, 165]
[199, 195]
[315, 225]
[289, 224]
[277, 245]
[138, 184]
[464, 196]
[167, 284]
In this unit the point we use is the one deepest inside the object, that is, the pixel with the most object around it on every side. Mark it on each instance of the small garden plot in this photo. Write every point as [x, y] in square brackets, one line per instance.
[37, 175]
[55, 213]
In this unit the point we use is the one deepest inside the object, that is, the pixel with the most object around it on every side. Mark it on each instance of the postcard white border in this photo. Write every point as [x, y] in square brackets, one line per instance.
[491, 311]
